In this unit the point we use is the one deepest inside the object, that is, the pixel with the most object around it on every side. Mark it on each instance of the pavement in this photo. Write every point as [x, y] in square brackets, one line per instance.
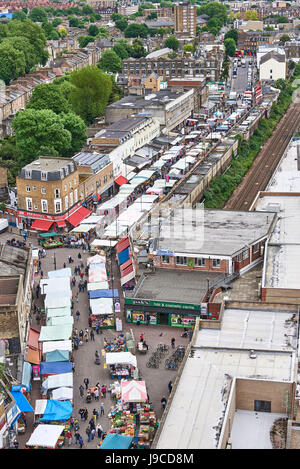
[156, 379]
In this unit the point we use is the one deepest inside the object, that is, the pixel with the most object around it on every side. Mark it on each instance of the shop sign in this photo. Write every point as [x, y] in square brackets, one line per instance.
[165, 252]
[161, 304]
[11, 413]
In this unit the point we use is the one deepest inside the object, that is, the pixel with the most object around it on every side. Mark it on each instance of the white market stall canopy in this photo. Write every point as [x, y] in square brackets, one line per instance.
[57, 301]
[97, 286]
[60, 320]
[40, 406]
[60, 273]
[52, 333]
[102, 306]
[112, 203]
[103, 243]
[58, 381]
[57, 312]
[55, 284]
[97, 273]
[57, 345]
[45, 435]
[120, 358]
[93, 219]
[63, 394]
[84, 228]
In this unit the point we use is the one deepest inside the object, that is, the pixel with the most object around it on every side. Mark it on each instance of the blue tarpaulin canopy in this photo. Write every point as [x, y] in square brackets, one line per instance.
[51, 368]
[57, 410]
[104, 294]
[123, 256]
[21, 402]
[57, 356]
[114, 441]
[26, 375]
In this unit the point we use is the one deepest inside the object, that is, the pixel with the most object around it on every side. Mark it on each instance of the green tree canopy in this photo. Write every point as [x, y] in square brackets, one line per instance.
[232, 33]
[121, 50]
[38, 15]
[83, 41]
[56, 22]
[93, 30]
[230, 46]
[284, 38]
[34, 33]
[48, 96]
[137, 49]
[77, 128]
[91, 92]
[188, 48]
[50, 31]
[136, 30]
[23, 45]
[19, 15]
[73, 22]
[121, 24]
[12, 63]
[110, 62]
[172, 42]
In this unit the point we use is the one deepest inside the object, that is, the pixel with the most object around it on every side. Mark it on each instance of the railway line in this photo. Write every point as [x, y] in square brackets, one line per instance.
[266, 161]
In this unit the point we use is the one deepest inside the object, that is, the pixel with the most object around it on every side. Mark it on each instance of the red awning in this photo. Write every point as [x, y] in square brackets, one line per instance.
[42, 225]
[33, 338]
[121, 180]
[78, 216]
[126, 264]
[127, 271]
[123, 244]
[60, 223]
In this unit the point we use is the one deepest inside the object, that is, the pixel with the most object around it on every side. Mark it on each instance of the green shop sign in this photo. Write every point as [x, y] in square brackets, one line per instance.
[161, 304]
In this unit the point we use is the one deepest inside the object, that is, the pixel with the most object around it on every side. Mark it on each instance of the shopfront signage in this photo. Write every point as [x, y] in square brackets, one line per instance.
[24, 213]
[161, 304]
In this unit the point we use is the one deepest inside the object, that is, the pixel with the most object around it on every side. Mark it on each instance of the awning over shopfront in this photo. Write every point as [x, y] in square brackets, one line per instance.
[26, 375]
[42, 225]
[50, 333]
[57, 356]
[76, 218]
[58, 381]
[21, 402]
[121, 180]
[33, 356]
[33, 338]
[123, 244]
[61, 223]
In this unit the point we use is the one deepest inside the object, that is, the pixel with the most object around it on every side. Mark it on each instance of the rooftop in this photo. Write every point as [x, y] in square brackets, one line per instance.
[162, 97]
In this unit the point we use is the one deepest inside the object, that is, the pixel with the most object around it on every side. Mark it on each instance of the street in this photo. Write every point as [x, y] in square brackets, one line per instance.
[156, 379]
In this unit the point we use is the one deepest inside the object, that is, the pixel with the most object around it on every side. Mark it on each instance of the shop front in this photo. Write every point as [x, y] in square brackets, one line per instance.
[161, 312]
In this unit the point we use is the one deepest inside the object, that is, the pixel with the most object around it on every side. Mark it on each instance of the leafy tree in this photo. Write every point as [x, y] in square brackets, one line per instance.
[188, 48]
[50, 31]
[83, 41]
[77, 128]
[136, 30]
[284, 38]
[98, 17]
[116, 92]
[56, 22]
[232, 33]
[138, 50]
[121, 24]
[87, 10]
[38, 15]
[172, 43]
[251, 15]
[63, 32]
[23, 45]
[93, 30]
[120, 50]
[110, 62]
[282, 19]
[116, 16]
[19, 15]
[39, 132]
[230, 47]
[12, 63]
[73, 22]
[152, 16]
[91, 92]
[48, 96]
[34, 33]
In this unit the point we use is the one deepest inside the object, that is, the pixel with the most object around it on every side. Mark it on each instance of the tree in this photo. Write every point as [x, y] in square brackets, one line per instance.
[110, 62]
[188, 48]
[73, 22]
[77, 128]
[120, 50]
[83, 41]
[116, 16]
[87, 10]
[34, 33]
[92, 89]
[232, 33]
[136, 30]
[172, 43]
[19, 15]
[38, 15]
[282, 19]
[251, 15]
[12, 63]
[93, 30]
[121, 24]
[56, 22]
[138, 50]
[284, 38]
[152, 16]
[230, 47]
[50, 31]
[23, 45]
[48, 96]
[63, 32]
[39, 132]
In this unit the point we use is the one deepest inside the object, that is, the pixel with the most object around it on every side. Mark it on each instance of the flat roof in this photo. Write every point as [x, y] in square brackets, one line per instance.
[160, 97]
[48, 163]
[224, 232]
[87, 158]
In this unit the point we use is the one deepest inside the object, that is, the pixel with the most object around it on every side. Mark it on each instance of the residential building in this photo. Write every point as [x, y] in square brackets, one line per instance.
[273, 66]
[4, 195]
[162, 12]
[248, 41]
[169, 108]
[209, 66]
[157, 54]
[48, 193]
[197, 83]
[251, 25]
[185, 19]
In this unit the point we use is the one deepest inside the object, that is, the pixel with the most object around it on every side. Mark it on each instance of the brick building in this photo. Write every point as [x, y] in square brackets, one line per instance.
[185, 19]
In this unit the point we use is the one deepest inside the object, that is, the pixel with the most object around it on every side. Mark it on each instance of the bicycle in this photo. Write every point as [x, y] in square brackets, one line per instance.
[152, 364]
[163, 348]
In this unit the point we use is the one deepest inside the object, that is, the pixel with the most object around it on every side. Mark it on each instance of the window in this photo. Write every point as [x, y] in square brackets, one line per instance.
[245, 254]
[216, 263]
[71, 198]
[28, 173]
[57, 193]
[201, 262]
[43, 190]
[27, 188]
[74, 182]
[262, 406]
[75, 195]
[239, 258]
[28, 203]
[181, 260]
[44, 204]
[66, 202]
[255, 248]
[34, 188]
[58, 206]
[70, 184]
[66, 187]
[165, 259]
[105, 179]
[43, 176]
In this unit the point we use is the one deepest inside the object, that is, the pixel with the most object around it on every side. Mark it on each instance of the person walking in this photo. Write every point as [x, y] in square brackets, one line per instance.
[99, 430]
[103, 390]
[95, 415]
[170, 385]
[92, 335]
[86, 414]
[163, 402]
[80, 441]
[101, 409]
[77, 315]
[77, 436]
[86, 382]
[69, 437]
[96, 393]
[81, 390]
[173, 342]
[86, 335]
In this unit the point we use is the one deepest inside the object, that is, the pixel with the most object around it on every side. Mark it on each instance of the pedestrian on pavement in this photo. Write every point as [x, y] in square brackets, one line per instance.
[92, 335]
[86, 336]
[163, 402]
[86, 414]
[77, 315]
[81, 275]
[80, 441]
[77, 436]
[142, 337]
[96, 393]
[81, 390]
[81, 413]
[102, 408]
[148, 319]
[69, 437]
[92, 423]
[86, 382]
[95, 415]
[85, 284]
[97, 327]
[99, 430]
[64, 266]
[103, 390]
[79, 255]
[170, 385]
[16, 444]
[81, 334]
[173, 342]
[76, 297]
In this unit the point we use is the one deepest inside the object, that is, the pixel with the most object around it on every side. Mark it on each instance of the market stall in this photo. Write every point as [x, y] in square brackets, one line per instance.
[62, 394]
[97, 259]
[50, 240]
[45, 436]
[57, 345]
[97, 286]
[115, 441]
[57, 381]
[51, 285]
[57, 320]
[121, 364]
[60, 273]
[118, 344]
[133, 391]
[54, 368]
[102, 313]
[57, 356]
[53, 333]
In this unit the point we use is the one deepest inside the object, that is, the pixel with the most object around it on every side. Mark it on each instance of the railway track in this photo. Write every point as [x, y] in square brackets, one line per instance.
[265, 162]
